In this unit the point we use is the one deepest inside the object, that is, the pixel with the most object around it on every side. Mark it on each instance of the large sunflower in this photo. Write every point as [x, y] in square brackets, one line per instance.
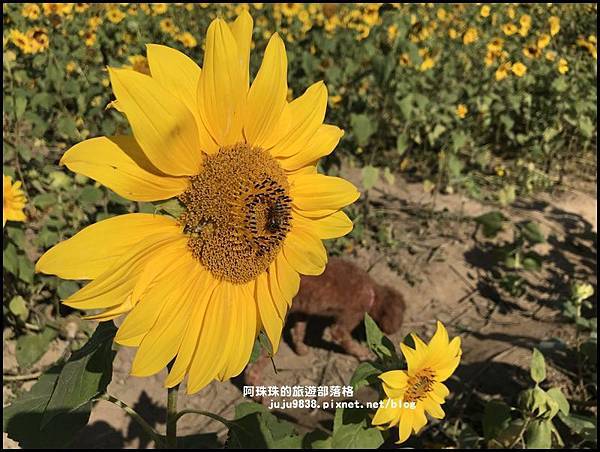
[241, 160]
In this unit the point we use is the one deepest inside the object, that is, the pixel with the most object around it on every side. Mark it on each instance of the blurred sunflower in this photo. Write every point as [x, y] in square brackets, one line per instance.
[242, 162]
[13, 200]
[519, 69]
[421, 385]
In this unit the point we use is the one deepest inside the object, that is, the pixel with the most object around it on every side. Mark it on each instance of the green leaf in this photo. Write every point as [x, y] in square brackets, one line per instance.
[496, 417]
[254, 427]
[18, 306]
[377, 342]
[538, 366]
[364, 374]
[370, 174]
[539, 434]
[352, 430]
[86, 374]
[402, 144]
[31, 347]
[20, 106]
[363, 127]
[532, 261]
[586, 126]
[586, 427]
[9, 259]
[90, 195]
[22, 418]
[491, 223]
[507, 195]
[173, 207]
[317, 439]
[389, 176]
[66, 288]
[532, 233]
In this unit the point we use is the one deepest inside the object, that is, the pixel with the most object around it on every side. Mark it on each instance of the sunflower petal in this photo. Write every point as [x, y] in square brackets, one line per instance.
[313, 193]
[163, 340]
[143, 317]
[267, 96]
[332, 226]
[162, 125]
[204, 286]
[221, 91]
[241, 29]
[120, 164]
[113, 286]
[179, 74]
[322, 143]
[306, 113]
[271, 321]
[287, 277]
[80, 257]
[305, 252]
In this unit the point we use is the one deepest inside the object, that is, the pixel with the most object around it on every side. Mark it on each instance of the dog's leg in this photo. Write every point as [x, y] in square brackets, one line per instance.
[253, 372]
[341, 335]
[298, 334]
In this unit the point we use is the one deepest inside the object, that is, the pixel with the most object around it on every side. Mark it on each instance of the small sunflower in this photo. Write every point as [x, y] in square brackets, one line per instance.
[197, 289]
[419, 389]
[13, 201]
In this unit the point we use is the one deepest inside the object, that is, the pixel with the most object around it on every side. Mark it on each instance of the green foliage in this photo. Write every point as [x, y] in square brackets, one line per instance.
[254, 427]
[58, 405]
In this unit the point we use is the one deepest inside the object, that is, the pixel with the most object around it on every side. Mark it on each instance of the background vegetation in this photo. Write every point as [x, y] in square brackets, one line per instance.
[495, 101]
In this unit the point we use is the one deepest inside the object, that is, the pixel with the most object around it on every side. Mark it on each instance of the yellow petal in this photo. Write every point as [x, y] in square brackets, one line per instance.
[115, 285]
[420, 420]
[120, 164]
[80, 257]
[267, 96]
[241, 29]
[395, 378]
[180, 75]
[163, 340]
[232, 329]
[245, 333]
[202, 293]
[113, 312]
[322, 143]
[305, 252]
[162, 125]
[316, 193]
[287, 277]
[271, 321]
[221, 91]
[143, 317]
[386, 414]
[207, 361]
[406, 425]
[157, 264]
[433, 408]
[306, 115]
[332, 226]
[281, 303]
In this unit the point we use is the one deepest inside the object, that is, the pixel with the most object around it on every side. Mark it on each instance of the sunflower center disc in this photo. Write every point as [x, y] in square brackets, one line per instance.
[238, 212]
[419, 385]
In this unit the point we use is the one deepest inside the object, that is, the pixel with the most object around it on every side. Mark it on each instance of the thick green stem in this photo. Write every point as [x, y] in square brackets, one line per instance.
[172, 417]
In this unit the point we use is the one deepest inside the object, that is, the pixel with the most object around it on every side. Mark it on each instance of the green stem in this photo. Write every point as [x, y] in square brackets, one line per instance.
[216, 417]
[172, 417]
[153, 434]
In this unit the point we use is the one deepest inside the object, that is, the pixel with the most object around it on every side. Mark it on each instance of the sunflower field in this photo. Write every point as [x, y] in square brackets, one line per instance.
[488, 109]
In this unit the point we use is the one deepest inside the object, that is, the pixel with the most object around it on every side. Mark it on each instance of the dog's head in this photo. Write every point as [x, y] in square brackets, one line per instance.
[388, 309]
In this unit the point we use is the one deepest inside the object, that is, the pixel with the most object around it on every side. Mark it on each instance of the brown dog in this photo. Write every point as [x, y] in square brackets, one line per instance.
[344, 292]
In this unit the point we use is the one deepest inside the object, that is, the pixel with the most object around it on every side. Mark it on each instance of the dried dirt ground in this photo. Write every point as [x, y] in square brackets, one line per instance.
[441, 273]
